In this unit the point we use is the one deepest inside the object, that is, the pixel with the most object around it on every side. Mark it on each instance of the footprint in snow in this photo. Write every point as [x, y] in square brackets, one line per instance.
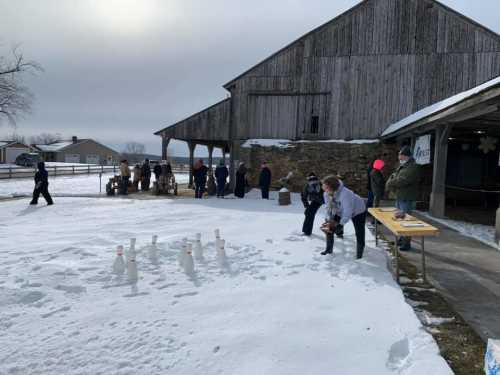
[185, 295]
[398, 355]
[49, 314]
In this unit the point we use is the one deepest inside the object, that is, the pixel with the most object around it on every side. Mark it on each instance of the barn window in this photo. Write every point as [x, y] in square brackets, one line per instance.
[314, 124]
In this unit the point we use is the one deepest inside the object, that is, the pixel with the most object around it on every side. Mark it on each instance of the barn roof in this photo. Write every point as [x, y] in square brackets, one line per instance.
[439, 107]
[334, 20]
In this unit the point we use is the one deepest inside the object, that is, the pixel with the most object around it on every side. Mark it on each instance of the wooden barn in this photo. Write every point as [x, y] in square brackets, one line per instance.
[334, 91]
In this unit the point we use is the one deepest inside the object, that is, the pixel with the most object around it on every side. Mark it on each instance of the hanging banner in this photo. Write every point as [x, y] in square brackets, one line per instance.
[422, 153]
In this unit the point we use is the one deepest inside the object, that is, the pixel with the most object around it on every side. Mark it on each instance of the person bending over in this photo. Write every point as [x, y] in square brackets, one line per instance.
[343, 205]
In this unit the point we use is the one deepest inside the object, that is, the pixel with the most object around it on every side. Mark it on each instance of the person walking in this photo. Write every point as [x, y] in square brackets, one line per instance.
[221, 174]
[265, 180]
[146, 175]
[239, 189]
[344, 205]
[125, 174]
[377, 181]
[41, 185]
[404, 182]
[137, 177]
[200, 178]
[312, 198]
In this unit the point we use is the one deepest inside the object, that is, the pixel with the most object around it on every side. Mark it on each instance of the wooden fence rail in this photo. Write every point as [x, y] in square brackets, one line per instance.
[54, 171]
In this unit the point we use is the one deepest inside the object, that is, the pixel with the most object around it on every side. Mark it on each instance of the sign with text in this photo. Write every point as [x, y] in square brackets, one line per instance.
[422, 152]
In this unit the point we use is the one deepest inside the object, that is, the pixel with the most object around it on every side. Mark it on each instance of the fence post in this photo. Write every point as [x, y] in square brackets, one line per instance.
[89, 169]
[114, 168]
[102, 168]
[55, 170]
[10, 172]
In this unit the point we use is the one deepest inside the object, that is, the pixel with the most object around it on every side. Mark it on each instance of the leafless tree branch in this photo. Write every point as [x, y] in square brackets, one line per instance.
[15, 98]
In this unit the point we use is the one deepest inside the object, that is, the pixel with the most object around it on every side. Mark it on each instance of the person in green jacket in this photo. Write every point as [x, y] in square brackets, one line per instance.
[405, 184]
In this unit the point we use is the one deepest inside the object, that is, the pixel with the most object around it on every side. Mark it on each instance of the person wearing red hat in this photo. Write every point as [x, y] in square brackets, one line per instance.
[377, 182]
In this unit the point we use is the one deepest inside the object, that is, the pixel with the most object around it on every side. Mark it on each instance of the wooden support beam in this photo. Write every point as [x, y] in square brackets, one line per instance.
[210, 156]
[164, 147]
[223, 149]
[438, 194]
[192, 147]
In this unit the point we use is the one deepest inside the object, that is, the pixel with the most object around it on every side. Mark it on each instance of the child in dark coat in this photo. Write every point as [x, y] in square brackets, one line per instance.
[265, 180]
[312, 198]
[41, 185]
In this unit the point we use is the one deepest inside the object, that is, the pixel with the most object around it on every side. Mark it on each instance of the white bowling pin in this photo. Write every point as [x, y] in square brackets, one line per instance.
[133, 241]
[119, 264]
[132, 268]
[153, 254]
[217, 234]
[198, 249]
[221, 252]
[188, 262]
[182, 252]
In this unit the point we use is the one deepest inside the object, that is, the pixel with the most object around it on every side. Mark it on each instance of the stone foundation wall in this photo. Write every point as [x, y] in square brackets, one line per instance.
[348, 160]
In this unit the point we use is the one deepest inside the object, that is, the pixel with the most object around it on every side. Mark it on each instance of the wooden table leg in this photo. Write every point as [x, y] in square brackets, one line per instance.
[396, 255]
[424, 271]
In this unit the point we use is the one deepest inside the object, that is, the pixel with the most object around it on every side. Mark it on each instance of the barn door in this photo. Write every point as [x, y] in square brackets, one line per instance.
[313, 116]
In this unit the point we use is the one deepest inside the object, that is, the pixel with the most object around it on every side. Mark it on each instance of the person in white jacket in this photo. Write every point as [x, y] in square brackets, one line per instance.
[343, 205]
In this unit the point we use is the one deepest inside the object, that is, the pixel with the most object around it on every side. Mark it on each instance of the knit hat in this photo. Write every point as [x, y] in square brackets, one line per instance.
[312, 177]
[378, 165]
[406, 151]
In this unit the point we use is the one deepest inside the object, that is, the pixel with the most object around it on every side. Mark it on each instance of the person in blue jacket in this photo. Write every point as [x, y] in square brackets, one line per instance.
[221, 174]
[343, 205]
[41, 185]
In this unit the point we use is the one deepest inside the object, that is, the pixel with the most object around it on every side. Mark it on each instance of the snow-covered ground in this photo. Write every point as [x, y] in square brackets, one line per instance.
[275, 306]
[482, 233]
[65, 185]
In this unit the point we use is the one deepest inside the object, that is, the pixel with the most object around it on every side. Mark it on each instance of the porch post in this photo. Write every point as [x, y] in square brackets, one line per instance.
[164, 147]
[224, 155]
[210, 156]
[192, 147]
[438, 194]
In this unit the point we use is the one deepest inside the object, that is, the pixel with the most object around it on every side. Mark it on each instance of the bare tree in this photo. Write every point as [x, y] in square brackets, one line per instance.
[134, 148]
[16, 137]
[45, 138]
[15, 98]
[134, 152]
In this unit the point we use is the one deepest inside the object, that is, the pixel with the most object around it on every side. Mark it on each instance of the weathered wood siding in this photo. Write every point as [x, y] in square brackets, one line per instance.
[211, 124]
[377, 63]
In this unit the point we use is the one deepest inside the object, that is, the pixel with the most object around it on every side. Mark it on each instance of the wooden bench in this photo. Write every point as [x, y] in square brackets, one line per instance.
[407, 227]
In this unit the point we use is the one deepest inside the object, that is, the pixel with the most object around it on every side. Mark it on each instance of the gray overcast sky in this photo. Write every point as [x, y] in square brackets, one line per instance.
[118, 70]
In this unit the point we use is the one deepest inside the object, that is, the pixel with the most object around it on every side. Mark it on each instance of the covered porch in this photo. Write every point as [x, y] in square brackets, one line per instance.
[458, 141]
[210, 128]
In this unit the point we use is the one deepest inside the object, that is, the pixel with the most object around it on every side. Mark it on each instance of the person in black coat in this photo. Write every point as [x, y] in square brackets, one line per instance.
[221, 174]
[157, 171]
[239, 189]
[41, 185]
[265, 180]
[312, 198]
[200, 178]
[146, 175]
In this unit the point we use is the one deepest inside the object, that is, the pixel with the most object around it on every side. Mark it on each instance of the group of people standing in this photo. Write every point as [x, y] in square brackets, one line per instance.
[141, 179]
[216, 183]
[343, 205]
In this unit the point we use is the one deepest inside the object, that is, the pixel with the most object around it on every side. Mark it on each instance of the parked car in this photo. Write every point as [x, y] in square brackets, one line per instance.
[28, 159]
